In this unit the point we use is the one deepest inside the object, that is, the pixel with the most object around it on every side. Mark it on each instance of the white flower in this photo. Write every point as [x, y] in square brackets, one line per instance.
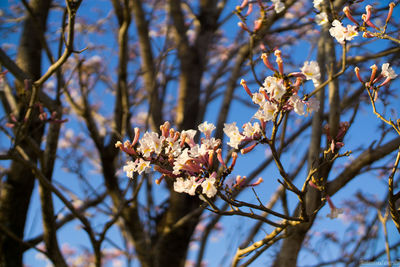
[250, 130]
[181, 161]
[185, 185]
[149, 143]
[321, 18]
[341, 33]
[172, 147]
[129, 168]
[232, 131]
[142, 166]
[206, 128]
[180, 185]
[335, 212]
[268, 111]
[311, 71]
[189, 133]
[274, 87]
[278, 6]
[211, 143]
[298, 105]
[208, 187]
[388, 72]
[193, 186]
[317, 4]
[259, 98]
[312, 105]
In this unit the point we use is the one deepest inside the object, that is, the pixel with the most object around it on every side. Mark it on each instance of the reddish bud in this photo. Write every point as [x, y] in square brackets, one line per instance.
[357, 71]
[373, 73]
[234, 158]
[246, 88]
[244, 4]
[249, 10]
[346, 11]
[389, 15]
[219, 157]
[279, 61]
[136, 138]
[268, 64]
[259, 181]
[248, 149]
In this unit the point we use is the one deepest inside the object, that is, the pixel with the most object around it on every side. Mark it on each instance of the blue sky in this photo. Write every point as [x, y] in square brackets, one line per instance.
[225, 243]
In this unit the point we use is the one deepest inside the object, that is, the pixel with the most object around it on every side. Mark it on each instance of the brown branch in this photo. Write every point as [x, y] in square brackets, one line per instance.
[366, 158]
[69, 217]
[72, 7]
[394, 212]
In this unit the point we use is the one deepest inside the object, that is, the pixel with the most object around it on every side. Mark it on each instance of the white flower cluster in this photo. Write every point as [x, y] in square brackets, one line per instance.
[270, 95]
[177, 156]
[271, 100]
[190, 185]
[251, 132]
[138, 166]
[341, 33]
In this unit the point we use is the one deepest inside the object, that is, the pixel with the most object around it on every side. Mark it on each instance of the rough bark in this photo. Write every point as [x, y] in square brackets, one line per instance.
[18, 186]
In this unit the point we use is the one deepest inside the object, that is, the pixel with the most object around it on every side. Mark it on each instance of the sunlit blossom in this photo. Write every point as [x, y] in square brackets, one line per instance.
[209, 188]
[232, 131]
[342, 34]
[311, 70]
[129, 168]
[274, 87]
[278, 6]
[321, 18]
[298, 104]
[250, 130]
[206, 128]
[388, 72]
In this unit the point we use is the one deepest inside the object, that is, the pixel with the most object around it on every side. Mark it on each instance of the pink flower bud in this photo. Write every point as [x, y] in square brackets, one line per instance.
[368, 9]
[346, 11]
[210, 158]
[259, 181]
[357, 71]
[279, 61]
[373, 73]
[248, 149]
[165, 128]
[219, 157]
[367, 35]
[136, 137]
[366, 17]
[386, 81]
[268, 64]
[244, 4]
[246, 88]
[249, 10]
[240, 181]
[234, 158]
[389, 15]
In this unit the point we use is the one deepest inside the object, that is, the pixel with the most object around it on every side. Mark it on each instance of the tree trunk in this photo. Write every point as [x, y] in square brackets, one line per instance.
[17, 188]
